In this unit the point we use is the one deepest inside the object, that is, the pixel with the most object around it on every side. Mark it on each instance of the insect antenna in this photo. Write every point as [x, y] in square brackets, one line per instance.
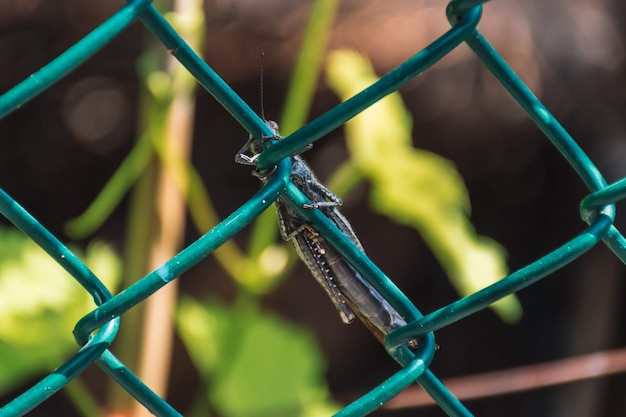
[261, 86]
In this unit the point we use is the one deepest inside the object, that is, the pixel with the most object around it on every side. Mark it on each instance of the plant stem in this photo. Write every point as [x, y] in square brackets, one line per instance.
[176, 139]
[157, 215]
[140, 220]
[300, 96]
[520, 379]
[306, 73]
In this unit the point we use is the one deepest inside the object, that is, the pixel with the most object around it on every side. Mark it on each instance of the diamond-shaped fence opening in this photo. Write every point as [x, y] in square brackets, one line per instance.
[96, 331]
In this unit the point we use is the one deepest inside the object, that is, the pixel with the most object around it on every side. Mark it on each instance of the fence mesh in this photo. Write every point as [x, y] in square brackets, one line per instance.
[96, 330]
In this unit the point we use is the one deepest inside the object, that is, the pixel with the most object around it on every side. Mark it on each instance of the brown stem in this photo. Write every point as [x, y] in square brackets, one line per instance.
[524, 378]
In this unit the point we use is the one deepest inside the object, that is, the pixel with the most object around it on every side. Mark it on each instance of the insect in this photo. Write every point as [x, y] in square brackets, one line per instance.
[351, 294]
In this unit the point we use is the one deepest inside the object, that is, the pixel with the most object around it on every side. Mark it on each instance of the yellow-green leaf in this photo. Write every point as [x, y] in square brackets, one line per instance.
[39, 305]
[415, 187]
[255, 363]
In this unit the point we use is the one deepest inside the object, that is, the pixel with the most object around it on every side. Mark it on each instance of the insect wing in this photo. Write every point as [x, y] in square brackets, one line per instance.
[373, 310]
[292, 227]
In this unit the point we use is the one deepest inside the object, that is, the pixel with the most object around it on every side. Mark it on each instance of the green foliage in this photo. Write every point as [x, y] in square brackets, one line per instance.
[305, 76]
[253, 363]
[39, 305]
[415, 187]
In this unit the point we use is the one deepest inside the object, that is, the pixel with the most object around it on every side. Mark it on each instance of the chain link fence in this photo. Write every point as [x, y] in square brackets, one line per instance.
[96, 331]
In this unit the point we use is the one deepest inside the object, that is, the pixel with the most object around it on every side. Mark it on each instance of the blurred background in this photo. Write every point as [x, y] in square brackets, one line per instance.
[57, 152]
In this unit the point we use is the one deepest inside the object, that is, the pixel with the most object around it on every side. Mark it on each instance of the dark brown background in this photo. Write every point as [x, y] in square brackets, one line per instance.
[524, 195]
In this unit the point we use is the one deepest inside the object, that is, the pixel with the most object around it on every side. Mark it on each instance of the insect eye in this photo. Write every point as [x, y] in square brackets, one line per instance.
[274, 126]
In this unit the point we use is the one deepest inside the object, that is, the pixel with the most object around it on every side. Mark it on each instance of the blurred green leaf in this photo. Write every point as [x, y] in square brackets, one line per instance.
[39, 305]
[304, 79]
[112, 193]
[415, 187]
[255, 364]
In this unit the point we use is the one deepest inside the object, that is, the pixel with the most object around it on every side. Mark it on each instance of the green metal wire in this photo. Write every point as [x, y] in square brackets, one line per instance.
[389, 83]
[93, 348]
[385, 391]
[135, 387]
[205, 75]
[186, 258]
[96, 330]
[72, 58]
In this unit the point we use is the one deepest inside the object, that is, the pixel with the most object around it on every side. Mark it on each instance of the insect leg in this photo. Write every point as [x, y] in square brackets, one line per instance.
[310, 248]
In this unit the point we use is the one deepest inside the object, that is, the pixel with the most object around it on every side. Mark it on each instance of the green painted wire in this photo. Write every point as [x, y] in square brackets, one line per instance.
[548, 124]
[72, 58]
[186, 258]
[514, 282]
[94, 351]
[553, 261]
[609, 195]
[368, 269]
[135, 386]
[427, 346]
[597, 209]
[385, 391]
[213, 83]
[594, 202]
[52, 383]
[387, 84]
[24, 221]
